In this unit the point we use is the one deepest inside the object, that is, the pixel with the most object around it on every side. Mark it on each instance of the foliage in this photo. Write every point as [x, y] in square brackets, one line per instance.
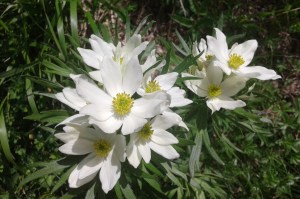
[246, 153]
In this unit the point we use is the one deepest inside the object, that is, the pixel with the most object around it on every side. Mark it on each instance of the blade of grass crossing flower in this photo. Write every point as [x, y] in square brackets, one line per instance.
[209, 148]
[30, 96]
[73, 20]
[92, 23]
[186, 63]
[194, 164]
[168, 58]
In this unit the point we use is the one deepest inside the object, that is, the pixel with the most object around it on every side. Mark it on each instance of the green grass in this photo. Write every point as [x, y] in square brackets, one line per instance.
[246, 153]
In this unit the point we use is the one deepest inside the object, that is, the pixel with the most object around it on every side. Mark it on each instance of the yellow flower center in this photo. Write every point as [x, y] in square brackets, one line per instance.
[152, 86]
[122, 103]
[102, 148]
[214, 91]
[235, 61]
[208, 57]
[120, 60]
[146, 132]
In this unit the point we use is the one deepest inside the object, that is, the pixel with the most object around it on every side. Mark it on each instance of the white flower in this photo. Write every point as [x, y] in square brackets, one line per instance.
[153, 136]
[237, 58]
[104, 152]
[165, 83]
[216, 91]
[101, 49]
[115, 107]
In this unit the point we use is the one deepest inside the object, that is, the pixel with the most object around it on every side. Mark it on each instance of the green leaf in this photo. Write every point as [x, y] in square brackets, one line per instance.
[92, 23]
[165, 68]
[60, 27]
[183, 43]
[127, 192]
[182, 21]
[73, 20]
[52, 167]
[195, 154]
[52, 116]
[63, 178]
[30, 96]
[211, 151]
[44, 82]
[227, 141]
[4, 140]
[55, 69]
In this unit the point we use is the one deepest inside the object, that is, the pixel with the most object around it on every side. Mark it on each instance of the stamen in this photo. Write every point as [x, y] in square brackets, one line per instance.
[235, 61]
[214, 91]
[122, 103]
[102, 148]
[146, 132]
[152, 86]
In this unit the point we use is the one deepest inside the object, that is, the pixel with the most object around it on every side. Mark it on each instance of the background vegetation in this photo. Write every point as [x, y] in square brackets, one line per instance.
[246, 153]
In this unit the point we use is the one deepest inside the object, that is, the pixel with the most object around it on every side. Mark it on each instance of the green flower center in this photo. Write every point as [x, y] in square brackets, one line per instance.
[102, 148]
[235, 61]
[146, 132]
[214, 91]
[122, 103]
[152, 86]
[208, 57]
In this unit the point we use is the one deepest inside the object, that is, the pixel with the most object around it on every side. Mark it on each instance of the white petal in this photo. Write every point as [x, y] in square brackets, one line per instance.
[89, 166]
[73, 97]
[177, 97]
[218, 47]
[166, 151]
[133, 76]
[111, 125]
[76, 119]
[131, 123]
[163, 137]
[257, 72]
[214, 75]
[145, 151]
[75, 182]
[133, 155]
[136, 51]
[110, 173]
[132, 43]
[165, 121]
[150, 61]
[224, 102]
[147, 108]
[77, 147]
[96, 75]
[111, 76]
[91, 93]
[61, 97]
[90, 57]
[203, 87]
[120, 146]
[66, 137]
[101, 47]
[246, 50]
[99, 111]
[233, 85]
[166, 81]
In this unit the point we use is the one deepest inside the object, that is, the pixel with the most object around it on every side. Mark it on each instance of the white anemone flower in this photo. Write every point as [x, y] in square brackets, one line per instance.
[206, 57]
[104, 152]
[218, 92]
[101, 49]
[115, 107]
[153, 136]
[237, 59]
[165, 83]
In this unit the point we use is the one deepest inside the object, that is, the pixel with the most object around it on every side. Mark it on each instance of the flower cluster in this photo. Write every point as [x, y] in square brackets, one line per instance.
[125, 96]
[221, 72]
[120, 97]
